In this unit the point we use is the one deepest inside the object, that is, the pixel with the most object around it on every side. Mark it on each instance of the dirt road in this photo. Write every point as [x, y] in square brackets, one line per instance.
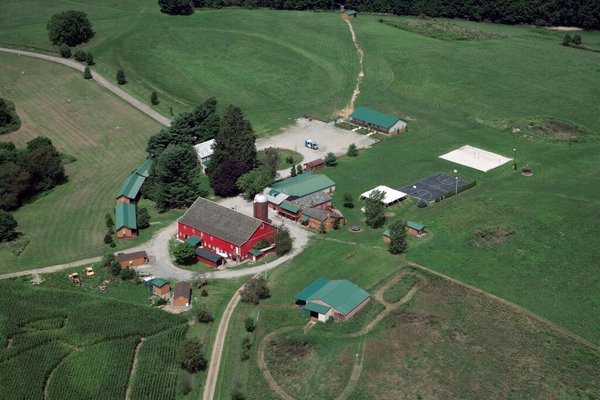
[361, 73]
[101, 81]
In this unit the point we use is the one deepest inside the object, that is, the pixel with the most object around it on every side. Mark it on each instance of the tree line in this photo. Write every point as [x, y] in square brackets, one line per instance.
[26, 172]
[585, 14]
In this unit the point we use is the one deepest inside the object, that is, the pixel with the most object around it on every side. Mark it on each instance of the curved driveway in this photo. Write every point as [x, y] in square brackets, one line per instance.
[149, 111]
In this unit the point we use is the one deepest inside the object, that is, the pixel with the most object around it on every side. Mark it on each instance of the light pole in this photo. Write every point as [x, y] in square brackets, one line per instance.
[456, 180]
[515, 159]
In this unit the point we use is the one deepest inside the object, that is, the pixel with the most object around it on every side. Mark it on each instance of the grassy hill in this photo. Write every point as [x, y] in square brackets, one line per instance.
[108, 138]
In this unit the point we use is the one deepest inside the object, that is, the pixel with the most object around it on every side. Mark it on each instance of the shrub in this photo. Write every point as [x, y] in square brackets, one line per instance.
[80, 55]
[299, 169]
[249, 324]
[352, 151]
[121, 78]
[128, 274]
[65, 51]
[190, 356]
[246, 348]
[237, 395]
[567, 40]
[87, 73]
[160, 301]
[108, 238]
[154, 98]
[204, 316]
[284, 241]
[289, 159]
[577, 40]
[422, 203]
[293, 171]
[348, 201]
[89, 59]
[70, 27]
[203, 293]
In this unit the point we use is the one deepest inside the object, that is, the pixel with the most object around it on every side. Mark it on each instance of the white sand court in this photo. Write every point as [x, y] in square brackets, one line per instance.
[473, 157]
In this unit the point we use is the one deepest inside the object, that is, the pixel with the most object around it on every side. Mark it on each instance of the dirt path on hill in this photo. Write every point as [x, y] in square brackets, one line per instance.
[361, 55]
[355, 376]
[217, 350]
[146, 109]
[133, 367]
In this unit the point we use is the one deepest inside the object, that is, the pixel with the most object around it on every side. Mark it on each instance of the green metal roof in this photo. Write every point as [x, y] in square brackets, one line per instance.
[351, 12]
[131, 187]
[255, 252]
[303, 184]
[158, 282]
[373, 117]
[342, 295]
[319, 308]
[125, 216]
[144, 169]
[386, 233]
[304, 218]
[308, 291]
[193, 240]
[286, 205]
[415, 225]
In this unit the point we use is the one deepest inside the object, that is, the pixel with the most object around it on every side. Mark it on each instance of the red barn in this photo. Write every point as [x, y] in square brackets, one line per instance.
[224, 231]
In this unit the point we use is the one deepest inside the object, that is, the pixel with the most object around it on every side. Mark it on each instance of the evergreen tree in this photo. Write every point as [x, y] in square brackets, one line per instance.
[235, 141]
[80, 55]
[8, 226]
[154, 98]
[89, 59]
[121, 78]
[110, 225]
[352, 151]
[284, 240]
[299, 170]
[199, 125]
[398, 244]
[269, 161]
[374, 209]
[87, 73]
[348, 201]
[577, 40]
[330, 160]
[142, 217]
[158, 143]
[64, 50]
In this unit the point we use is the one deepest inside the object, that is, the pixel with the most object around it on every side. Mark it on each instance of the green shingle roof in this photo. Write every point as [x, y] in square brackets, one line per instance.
[319, 308]
[303, 184]
[415, 225]
[131, 186]
[286, 205]
[341, 294]
[193, 240]
[158, 282]
[373, 117]
[311, 289]
[144, 169]
[125, 216]
[255, 252]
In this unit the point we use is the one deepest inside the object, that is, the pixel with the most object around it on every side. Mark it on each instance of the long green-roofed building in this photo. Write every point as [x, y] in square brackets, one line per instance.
[130, 190]
[303, 185]
[338, 299]
[378, 121]
[125, 221]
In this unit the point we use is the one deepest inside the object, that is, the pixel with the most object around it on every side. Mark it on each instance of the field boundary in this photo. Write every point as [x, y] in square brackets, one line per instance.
[155, 115]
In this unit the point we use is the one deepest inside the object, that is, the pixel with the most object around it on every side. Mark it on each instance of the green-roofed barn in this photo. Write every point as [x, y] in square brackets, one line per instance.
[338, 299]
[303, 185]
[125, 221]
[130, 190]
[377, 121]
[414, 228]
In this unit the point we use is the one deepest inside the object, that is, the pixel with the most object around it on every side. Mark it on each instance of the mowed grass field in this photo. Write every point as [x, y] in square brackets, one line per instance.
[108, 138]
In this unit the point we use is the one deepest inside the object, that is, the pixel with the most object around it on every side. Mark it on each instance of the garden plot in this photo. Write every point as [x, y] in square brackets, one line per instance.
[473, 157]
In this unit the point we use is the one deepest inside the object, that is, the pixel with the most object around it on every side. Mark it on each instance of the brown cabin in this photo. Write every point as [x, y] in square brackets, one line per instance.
[132, 259]
[314, 165]
[182, 295]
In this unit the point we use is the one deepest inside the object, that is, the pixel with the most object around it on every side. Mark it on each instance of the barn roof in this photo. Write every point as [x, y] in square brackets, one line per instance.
[193, 240]
[125, 216]
[303, 184]
[308, 291]
[286, 205]
[208, 255]
[415, 225]
[341, 294]
[315, 163]
[204, 149]
[182, 289]
[222, 222]
[318, 308]
[144, 169]
[373, 117]
[313, 199]
[159, 282]
[131, 256]
[132, 185]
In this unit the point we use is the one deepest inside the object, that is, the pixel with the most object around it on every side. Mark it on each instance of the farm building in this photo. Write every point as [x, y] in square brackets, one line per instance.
[378, 121]
[314, 165]
[182, 294]
[349, 14]
[414, 228]
[209, 258]
[130, 190]
[338, 299]
[316, 217]
[223, 231]
[125, 222]
[204, 151]
[160, 287]
[304, 184]
[132, 259]
[391, 196]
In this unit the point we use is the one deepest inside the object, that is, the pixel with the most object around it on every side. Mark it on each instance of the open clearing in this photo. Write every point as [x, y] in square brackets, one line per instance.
[87, 122]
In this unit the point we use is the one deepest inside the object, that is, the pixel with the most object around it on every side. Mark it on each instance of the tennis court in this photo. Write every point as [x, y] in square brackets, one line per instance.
[429, 189]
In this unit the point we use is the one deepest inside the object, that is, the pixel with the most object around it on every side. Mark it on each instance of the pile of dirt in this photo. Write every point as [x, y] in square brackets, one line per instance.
[556, 130]
[491, 236]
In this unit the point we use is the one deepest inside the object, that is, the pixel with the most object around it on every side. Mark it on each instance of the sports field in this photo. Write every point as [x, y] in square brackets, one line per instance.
[108, 138]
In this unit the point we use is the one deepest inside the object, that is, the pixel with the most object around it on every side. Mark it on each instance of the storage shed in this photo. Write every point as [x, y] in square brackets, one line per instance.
[209, 258]
[377, 121]
[132, 259]
[314, 165]
[160, 287]
[125, 221]
[414, 228]
[182, 295]
[338, 299]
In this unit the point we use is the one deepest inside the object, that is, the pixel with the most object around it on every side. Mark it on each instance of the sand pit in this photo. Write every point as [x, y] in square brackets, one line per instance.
[475, 158]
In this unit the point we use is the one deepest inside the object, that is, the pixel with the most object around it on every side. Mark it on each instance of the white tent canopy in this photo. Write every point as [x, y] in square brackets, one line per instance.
[391, 195]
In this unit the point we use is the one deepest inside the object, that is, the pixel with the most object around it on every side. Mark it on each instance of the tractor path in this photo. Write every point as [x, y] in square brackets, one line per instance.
[133, 367]
[356, 371]
[361, 74]
[146, 109]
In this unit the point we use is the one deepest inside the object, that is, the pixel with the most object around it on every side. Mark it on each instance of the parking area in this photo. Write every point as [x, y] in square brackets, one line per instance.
[329, 137]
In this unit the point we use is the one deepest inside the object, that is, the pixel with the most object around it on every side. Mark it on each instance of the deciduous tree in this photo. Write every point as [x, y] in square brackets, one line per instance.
[352, 151]
[255, 290]
[176, 7]
[184, 253]
[253, 182]
[190, 356]
[70, 27]
[142, 217]
[9, 120]
[398, 244]
[284, 240]
[8, 226]
[374, 209]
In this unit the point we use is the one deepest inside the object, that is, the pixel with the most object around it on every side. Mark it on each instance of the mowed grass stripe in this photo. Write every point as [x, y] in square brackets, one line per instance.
[68, 223]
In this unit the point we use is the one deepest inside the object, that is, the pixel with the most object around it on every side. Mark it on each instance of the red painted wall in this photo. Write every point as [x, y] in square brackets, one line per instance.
[213, 243]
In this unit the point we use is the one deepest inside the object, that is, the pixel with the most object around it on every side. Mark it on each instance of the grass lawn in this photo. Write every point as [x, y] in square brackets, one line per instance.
[282, 162]
[86, 122]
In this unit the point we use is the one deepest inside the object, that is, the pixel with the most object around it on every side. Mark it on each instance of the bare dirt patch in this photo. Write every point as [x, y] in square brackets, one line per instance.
[491, 236]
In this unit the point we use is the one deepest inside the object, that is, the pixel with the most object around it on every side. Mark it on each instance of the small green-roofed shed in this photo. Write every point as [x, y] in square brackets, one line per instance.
[193, 240]
[131, 187]
[351, 12]
[415, 225]
[158, 282]
[303, 184]
[311, 289]
[287, 206]
[318, 308]
[372, 117]
[386, 233]
[144, 169]
[125, 216]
